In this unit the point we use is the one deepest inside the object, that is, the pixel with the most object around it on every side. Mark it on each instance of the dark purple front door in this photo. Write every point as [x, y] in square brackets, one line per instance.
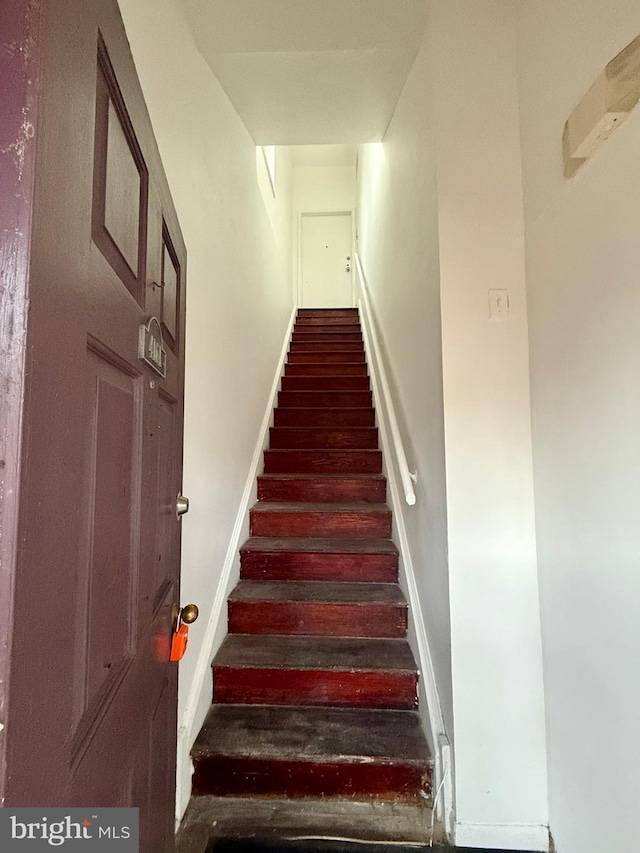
[89, 705]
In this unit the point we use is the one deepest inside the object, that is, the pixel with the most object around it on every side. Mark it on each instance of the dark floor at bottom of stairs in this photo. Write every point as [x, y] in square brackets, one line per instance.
[253, 845]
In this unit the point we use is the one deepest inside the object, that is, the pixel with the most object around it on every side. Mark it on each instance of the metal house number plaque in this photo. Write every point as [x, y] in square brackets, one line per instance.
[151, 347]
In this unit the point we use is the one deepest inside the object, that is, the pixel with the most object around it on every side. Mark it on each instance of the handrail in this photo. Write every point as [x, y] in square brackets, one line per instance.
[408, 479]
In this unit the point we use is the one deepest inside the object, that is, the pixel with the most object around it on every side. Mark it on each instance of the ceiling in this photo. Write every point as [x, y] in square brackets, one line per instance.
[305, 72]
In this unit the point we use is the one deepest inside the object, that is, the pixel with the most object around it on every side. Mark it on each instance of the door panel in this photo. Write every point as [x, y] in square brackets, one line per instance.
[170, 288]
[109, 561]
[92, 703]
[122, 191]
[327, 280]
[120, 180]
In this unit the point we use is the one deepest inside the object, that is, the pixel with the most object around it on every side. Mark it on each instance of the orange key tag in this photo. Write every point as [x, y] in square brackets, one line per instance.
[179, 643]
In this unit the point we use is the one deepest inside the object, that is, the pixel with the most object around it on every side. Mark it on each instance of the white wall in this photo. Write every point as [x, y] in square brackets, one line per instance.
[398, 244]
[583, 263]
[324, 187]
[501, 795]
[238, 304]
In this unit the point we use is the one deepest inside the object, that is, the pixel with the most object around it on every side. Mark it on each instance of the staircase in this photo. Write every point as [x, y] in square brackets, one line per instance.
[315, 687]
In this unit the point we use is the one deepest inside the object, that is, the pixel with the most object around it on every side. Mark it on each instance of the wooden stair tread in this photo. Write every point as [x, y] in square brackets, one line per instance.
[313, 356]
[322, 488]
[322, 460]
[342, 322]
[327, 430]
[267, 506]
[318, 337]
[345, 416]
[338, 394]
[338, 654]
[326, 399]
[293, 477]
[319, 591]
[323, 437]
[319, 545]
[326, 346]
[312, 733]
[325, 383]
[326, 369]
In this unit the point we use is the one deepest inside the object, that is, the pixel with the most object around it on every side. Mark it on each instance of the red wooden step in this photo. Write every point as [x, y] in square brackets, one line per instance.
[343, 488]
[322, 462]
[327, 320]
[337, 560]
[363, 438]
[327, 357]
[324, 417]
[325, 383]
[326, 346]
[342, 369]
[322, 337]
[355, 520]
[261, 750]
[331, 311]
[318, 608]
[336, 671]
[328, 328]
[324, 399]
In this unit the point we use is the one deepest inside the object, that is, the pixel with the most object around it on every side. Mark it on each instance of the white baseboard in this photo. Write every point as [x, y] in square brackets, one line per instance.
[443, 777]
[189, 725]
[503, 836]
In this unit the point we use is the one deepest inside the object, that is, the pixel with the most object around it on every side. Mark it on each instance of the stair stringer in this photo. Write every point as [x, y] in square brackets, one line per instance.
[429, 706]
[195, 709]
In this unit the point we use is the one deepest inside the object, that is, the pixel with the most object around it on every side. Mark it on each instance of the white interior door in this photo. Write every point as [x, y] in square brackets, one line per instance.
[327, 261]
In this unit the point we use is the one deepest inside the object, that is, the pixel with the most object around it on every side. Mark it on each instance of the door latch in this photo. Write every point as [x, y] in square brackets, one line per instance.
[180, 637]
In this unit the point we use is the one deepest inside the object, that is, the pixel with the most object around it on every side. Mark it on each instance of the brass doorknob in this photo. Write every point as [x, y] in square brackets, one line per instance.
[189, 614]
[182, 506]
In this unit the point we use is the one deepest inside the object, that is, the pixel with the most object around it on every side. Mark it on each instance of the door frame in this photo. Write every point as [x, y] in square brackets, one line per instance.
[19, 69]
[301, 214]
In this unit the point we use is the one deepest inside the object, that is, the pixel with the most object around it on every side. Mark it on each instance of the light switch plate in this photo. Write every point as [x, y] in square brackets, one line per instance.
[498, 304]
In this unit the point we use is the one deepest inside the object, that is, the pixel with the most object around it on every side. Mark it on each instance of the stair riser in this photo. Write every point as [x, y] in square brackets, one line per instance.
[322, 490]
[325, 369]
[354, 438]
[354, 525]
[327, 357]
[317, 619]
[322, 462]
[231, 776]
[323, 337]
[327, 346]
[328, 329]
[325, 383]
[305, 566]
[325, 399]
[327, 320]
[394, 690]
[364, 417]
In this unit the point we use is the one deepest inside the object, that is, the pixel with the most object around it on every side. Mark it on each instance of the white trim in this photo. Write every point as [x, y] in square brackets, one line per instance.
[271, 172]
[501, 836]
[186, 733]
[345, 212]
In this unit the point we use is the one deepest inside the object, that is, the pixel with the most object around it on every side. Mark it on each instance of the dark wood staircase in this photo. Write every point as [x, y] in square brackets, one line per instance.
[315, 686]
